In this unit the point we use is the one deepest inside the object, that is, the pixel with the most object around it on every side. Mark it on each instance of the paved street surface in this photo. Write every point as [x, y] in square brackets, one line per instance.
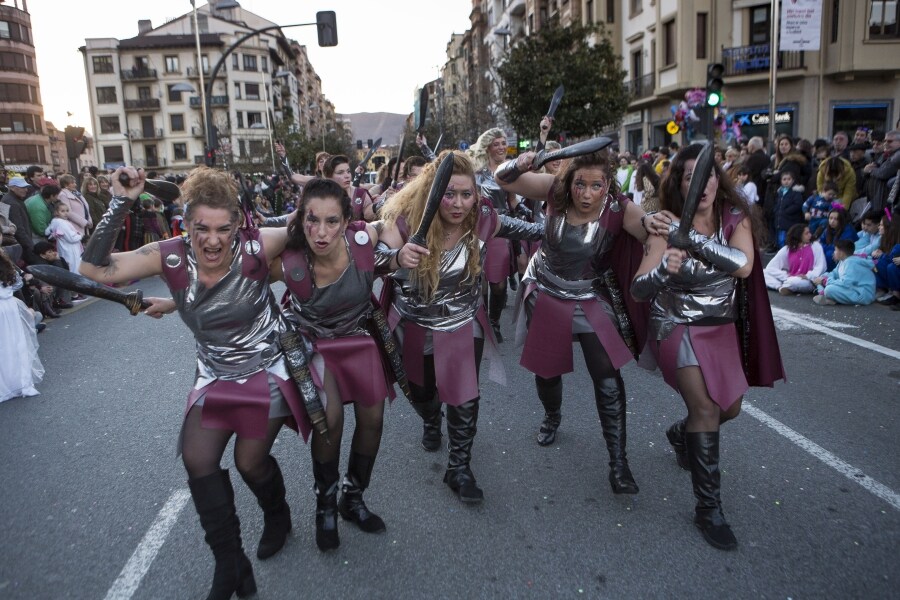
[94, 502]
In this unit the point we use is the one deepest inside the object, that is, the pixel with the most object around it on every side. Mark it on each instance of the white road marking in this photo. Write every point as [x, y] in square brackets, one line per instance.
[126, 584]
[845, 469]
[809, 323]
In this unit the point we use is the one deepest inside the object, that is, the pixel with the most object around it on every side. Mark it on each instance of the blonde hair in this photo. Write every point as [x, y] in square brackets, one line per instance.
[409, 203]
[86, 182]
[478, 152]
[212, 188]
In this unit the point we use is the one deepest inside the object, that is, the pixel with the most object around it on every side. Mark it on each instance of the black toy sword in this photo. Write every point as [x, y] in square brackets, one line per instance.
[554, 104]
[63, 278]
[357, 178]
[579, 149]
[703, 168]
[438, 187]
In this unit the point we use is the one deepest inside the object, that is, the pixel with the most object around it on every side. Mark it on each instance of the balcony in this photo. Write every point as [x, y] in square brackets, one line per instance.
[197, 131]
[135, 74]
[746, 60]
[145, 134]
[214, 101]
[143, 104]
[642, 87]
[194, 72]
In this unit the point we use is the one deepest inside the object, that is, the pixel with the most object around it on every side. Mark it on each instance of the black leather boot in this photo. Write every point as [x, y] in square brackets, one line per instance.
[703, 454]
[462, 424]
[495, 309]
[276, 512]
[47, 310]
[550, 393]
[430, 411]
[214, 500]
[675, 435]
[609, 395]
[326, 476]
[351, 506]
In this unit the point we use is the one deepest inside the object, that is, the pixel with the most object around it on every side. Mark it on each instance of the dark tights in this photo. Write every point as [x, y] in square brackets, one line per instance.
[366, 436]
[202, 449]
[427, 391]
[703, 413]
[596, 360]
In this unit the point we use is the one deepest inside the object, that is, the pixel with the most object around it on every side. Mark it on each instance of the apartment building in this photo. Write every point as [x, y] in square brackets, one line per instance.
[23, 136]
[145, 91]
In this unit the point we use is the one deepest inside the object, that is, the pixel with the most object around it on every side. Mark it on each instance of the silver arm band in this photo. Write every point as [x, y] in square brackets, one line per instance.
[508, 171]
[428, 153]
[378, 205]
[281, 221]
[384, 255]
[517, 229]
[645, 286]
[722, 257]
[101, 244]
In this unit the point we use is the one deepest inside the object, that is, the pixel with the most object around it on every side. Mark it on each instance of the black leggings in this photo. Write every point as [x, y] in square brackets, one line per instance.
[703, 413]
[366, 435]
[202, 449]
[596, 360]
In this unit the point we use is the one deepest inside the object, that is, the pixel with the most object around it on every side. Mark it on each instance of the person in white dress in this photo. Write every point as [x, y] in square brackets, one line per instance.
[20, 366]
[68, 240]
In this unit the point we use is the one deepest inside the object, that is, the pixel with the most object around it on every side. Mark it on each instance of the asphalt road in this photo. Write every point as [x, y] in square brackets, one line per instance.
[93, 501]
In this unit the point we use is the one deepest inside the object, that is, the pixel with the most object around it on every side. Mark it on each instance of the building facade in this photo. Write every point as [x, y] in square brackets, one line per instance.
[24, 140]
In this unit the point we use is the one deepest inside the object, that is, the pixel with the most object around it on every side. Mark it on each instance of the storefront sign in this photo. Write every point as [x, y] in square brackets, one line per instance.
[762, 118]
[632, 118]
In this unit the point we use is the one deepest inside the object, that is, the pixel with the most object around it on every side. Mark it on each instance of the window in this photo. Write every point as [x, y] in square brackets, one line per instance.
[242, 147]
[636, 7]
[240, 120]
[235, 62]
[174, 97]
[237, 90]
[102, 64]
[180, 151]
[176, 122]
[835, 20]
[172, 65]
[257, 148]
[23, 153]
[106, 95]
[204, 63]
[20, 123]
[18, 92]
[144, 93]
[113, 154]
[249, 62]
[110, 124]
[702, 19]
[637, 65]
[252, 90]
[253, 118]
[14, 61]
[264, 63]
[760, 25]
[668, 43]
[883, 17]
[610, 11]
[4, 31]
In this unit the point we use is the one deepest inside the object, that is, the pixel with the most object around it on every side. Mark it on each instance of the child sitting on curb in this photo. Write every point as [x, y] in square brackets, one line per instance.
[851, 282]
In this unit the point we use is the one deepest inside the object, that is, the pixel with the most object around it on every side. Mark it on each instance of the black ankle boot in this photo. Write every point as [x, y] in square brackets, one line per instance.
[351, 506]
[675, 435]
[549, 391]
[276, 512]
[430, 412]
[703, 454]
[462, 424]
[495, 309]
[609, 395]
[326, 476]
[214, 500]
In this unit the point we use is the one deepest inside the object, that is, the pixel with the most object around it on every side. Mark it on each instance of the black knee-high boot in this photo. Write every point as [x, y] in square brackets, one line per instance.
[462, 424]
[351, 506]
[214, 500]
[703, 454]
[495, 309]
[430, 411]
[550, 393]
[326, 476]
[675, 435]
[609, 395]
[270, 494]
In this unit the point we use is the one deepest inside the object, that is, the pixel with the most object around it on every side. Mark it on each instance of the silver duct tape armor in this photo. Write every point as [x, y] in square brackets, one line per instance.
[508, 171]
[236, 324]
[454, 302]
[101, 244]
[384, 254]
[617, 301]
[296, 354]
[280, 221]
[571, 258]
[428, 153]
[490, 189]
[699, 292]
[517, 229]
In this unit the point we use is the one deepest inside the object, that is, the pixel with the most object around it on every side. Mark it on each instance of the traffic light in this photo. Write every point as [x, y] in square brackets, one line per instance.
[714, 72]
[210, 158]
[359, 144]
[75, 143]
[524, 144]
[326, 26]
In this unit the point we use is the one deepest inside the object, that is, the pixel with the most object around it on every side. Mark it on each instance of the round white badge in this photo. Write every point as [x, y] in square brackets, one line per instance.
[361, 238]
[251, 247]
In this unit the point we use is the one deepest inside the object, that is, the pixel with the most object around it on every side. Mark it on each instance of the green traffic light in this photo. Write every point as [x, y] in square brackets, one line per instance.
[713, 99]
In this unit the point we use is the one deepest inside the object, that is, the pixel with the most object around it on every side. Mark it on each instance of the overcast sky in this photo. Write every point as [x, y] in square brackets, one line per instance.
[378, 64]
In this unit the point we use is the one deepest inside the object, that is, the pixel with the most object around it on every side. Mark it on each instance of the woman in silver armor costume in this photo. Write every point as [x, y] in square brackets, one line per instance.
[692, 333]
[566, 294]
[437, 311]
[219, 280]
[487, 153]
[328, 266]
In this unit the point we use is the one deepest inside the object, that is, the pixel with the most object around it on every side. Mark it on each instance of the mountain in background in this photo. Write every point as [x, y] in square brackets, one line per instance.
[387, 126]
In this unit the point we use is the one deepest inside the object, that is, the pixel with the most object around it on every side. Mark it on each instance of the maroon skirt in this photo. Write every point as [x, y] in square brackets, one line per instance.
[498, 260]
[718, 355]
[355, 363]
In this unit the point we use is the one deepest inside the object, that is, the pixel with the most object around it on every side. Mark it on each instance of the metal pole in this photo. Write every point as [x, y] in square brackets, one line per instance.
[200, 71]
[268, 123]
[773, 72]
